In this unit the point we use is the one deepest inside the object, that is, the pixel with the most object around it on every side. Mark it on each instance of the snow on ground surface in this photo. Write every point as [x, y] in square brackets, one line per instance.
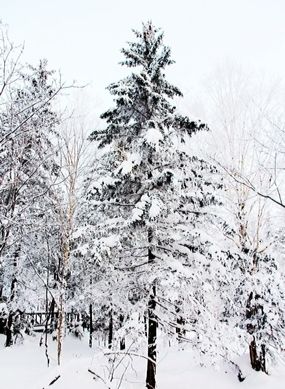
[24, 367]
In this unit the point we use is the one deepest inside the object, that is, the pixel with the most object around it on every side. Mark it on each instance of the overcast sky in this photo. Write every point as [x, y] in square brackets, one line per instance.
[83, 38]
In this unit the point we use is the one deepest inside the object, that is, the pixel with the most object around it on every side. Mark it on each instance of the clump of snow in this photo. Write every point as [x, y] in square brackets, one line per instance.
[139, 208]
[132, 159]
[155, 208]
[153, 136]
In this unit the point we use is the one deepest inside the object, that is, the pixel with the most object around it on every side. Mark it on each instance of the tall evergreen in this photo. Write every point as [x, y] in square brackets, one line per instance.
[147, 197]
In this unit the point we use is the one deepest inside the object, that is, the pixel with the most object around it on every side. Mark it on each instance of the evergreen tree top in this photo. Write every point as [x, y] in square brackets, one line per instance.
[144, 98]
[148, 51]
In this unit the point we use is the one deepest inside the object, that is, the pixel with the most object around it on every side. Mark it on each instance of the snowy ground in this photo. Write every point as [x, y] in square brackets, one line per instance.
[25, 367]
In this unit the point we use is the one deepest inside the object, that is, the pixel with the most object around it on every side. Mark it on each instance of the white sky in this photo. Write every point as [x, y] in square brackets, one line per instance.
[83, 38]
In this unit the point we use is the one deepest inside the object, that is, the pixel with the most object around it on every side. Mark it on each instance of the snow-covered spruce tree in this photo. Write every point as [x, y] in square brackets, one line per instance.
[9, 70]
[146, 203]
[27, 188]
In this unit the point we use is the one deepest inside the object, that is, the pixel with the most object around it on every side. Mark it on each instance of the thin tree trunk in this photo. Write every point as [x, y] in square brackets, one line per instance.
[90, 325]
[9, 325]
[180, 331]
[9, 332]
[122, 340]
[145, 319]
[1, 282]
[110, 329]
[60, 326]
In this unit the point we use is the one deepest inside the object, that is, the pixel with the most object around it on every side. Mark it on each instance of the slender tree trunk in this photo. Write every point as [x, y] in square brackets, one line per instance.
[145, 322]
[122, 340]
[9, 332]
[52, 316]
[14, 280]
[180, 330]
[1, 282]
[110, 329]
[90, 325]
[60, 325]
[10, 320]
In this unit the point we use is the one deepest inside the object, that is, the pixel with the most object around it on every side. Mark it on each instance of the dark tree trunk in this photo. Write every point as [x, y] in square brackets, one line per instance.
[9, 332]
[90, 325]
[263, 359]
[52, 316]
[14, 280]
[122, 340]
[257, 356]
[110, 330]
[13, 288]
[151, 340]
[10, 320]
[1, 285]
[253, 355]
[180, 331]
[145, 324]
[3, 324]
[152, 324]
[122, 344]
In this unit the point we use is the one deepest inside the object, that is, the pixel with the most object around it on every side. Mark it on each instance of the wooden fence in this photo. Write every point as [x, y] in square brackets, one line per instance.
[41, 319]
